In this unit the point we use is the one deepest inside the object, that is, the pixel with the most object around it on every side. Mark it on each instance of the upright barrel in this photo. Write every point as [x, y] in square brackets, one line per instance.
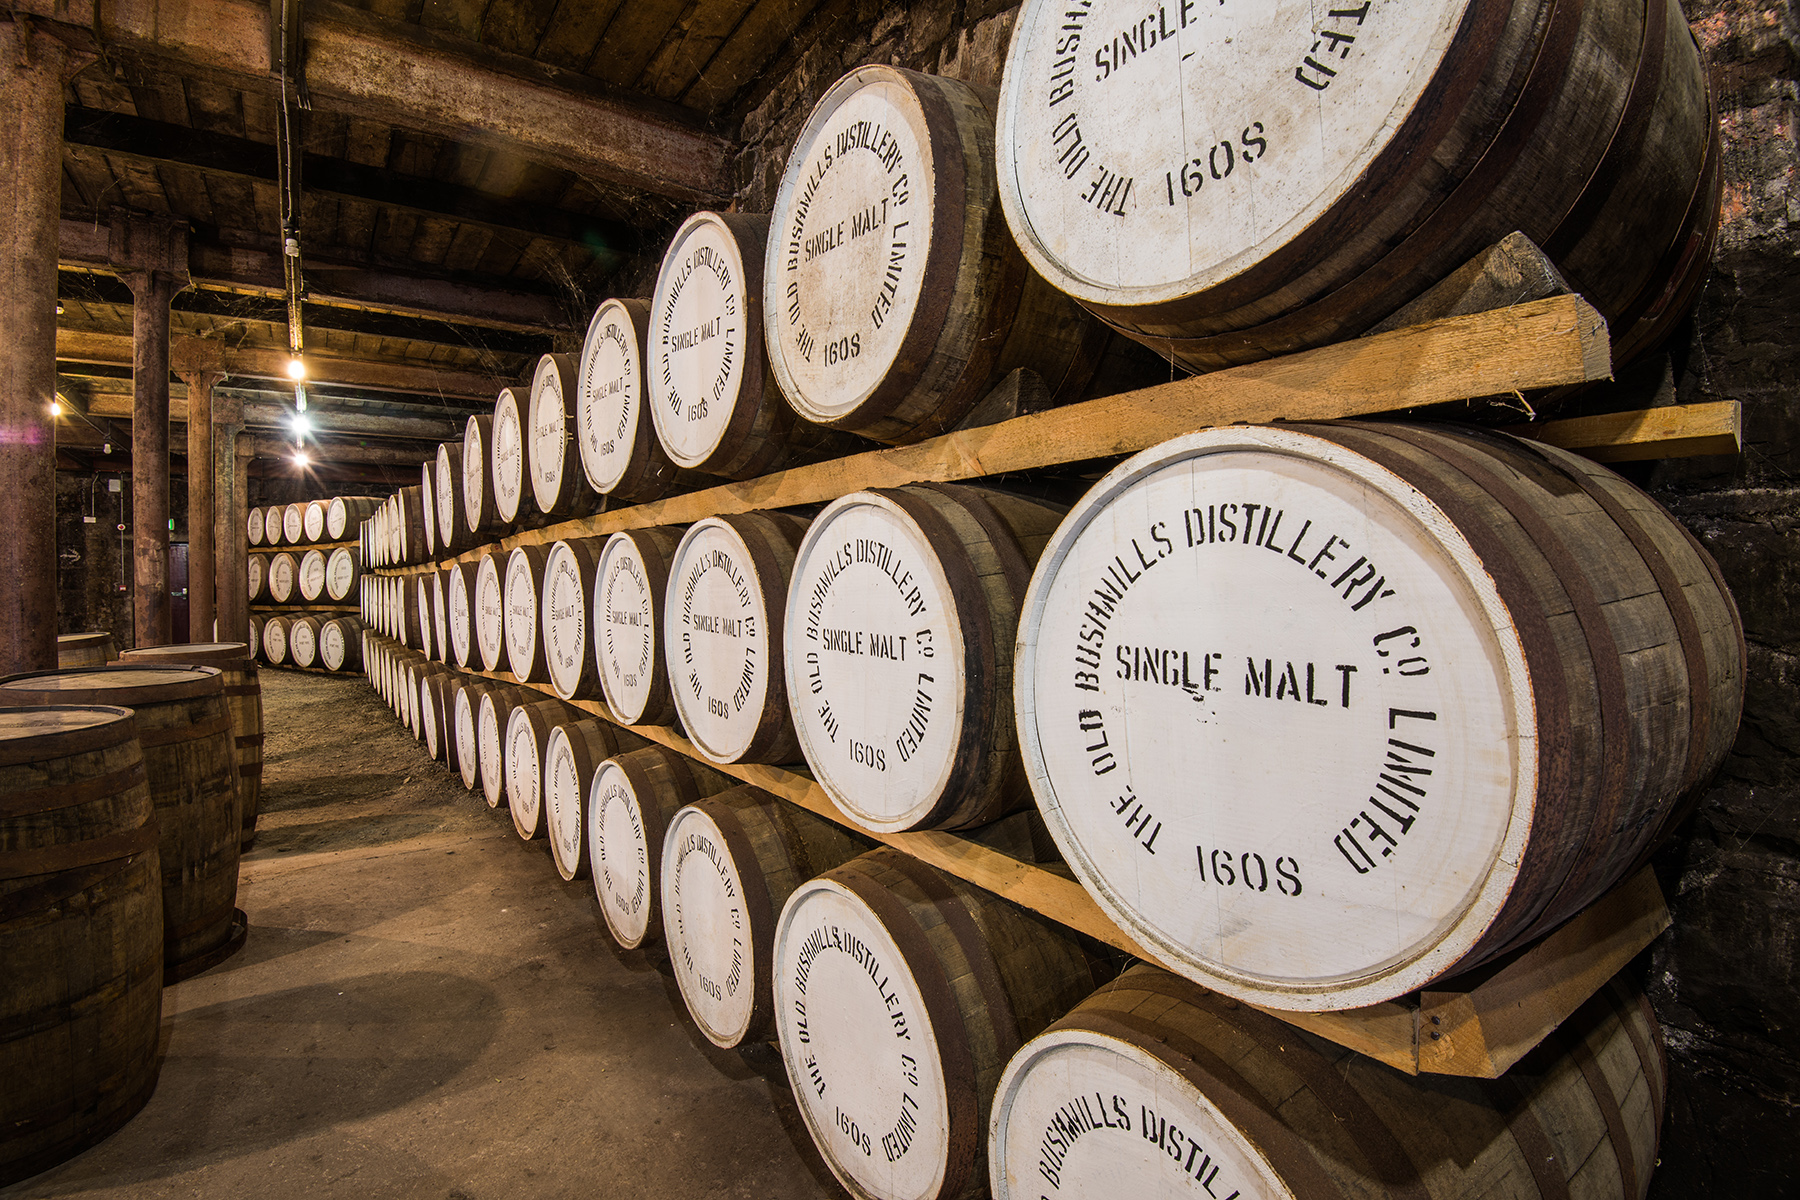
[81, 932]
[1320, 713]
[85, 649]
[1153, 1087]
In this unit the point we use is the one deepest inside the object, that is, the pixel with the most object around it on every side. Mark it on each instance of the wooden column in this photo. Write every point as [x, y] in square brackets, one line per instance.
[199, 362]
[152, 257]
[33, 68]
[232, 451]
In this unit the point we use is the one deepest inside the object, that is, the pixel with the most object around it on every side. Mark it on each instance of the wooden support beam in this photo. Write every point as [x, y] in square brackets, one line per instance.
[326, 421]
[329, 451]
[364, 66]
[1672, 431]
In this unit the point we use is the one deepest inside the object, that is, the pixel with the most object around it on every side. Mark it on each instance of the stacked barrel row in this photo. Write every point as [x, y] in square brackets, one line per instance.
[308, 522]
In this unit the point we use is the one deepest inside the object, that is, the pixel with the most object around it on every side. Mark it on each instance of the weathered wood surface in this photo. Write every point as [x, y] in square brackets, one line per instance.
[1673, 431]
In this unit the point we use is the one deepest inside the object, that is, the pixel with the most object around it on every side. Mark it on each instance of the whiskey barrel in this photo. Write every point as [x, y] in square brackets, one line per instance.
[1305, 184]
[85, 649]
[440, 617]
[524, 639]
[1441, 689]
[81, 932]
[275, 640]
[428, 505]
[312, 521]
[242, 688]
[715, 405]
[629, 805]
[293, 524]
[1153, 1086]
[616, 436]
[258, 527]
[342, 573]
[901, 992]
[303, 641]
[466, 721]
[255, 629]
[345, 513]
[527, 742]
[493, 713]
[572, 756]
[895, 298]
[453, 533]
[729, 863]
[184, 728]
[490, 612]
[479, 513]
[632, 583]
[510, 456]
[900, 624]
[437, 715]
[340, 644]
[722, 635]
[459, 616]
[420, 586]
[284, 577]
[257, 581]
[311, 577]
[558, 486]
[272, 524]
[409, 526]
[569, 657]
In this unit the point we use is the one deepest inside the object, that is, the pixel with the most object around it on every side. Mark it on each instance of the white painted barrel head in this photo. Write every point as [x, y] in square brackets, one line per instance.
[284, 578]
[875, 662]
[557, 484]
[619, 855]
[468, 736]
[303, 642]
[312, 521]
[859, 1046]
[568, 581]
[256, 642]
[258, 574]
[274, 518]
[610, 393]
[440, 617]
[716, 640]
[430, 727]
[628, 599]
[699, 330]
[490, 612]
[312, 577]
[524, 588]
[275, 640]
[428, 505]
[257, 527]
[707, 927]
[1093, 1115]
[565, 797]
[427, 621]
[850, 234]
[293, 523]
[478, 473]
[337, 518]
[332, 645]
[341, 573]
[524, 774]
[490, 732]
[459, 606]
[1277, 718]
[447, 477]
[1147, 154]
[510, 456]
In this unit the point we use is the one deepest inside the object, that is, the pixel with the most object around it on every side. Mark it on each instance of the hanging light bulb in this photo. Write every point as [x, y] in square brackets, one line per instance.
[56, 407]
[300, 459]
[302, 426]
[296, 368]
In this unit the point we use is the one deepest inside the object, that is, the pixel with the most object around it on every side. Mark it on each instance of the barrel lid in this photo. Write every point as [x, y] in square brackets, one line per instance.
[715, 637]
[610, 391]
[569, 573]
[192, 652]
[628, 596]
[38, 732]
[707, 925]
[126, 685]
[619, 843]
[699, 332]
[510, 454]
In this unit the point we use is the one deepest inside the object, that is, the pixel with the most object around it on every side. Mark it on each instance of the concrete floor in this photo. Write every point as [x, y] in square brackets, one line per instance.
[424, 1008]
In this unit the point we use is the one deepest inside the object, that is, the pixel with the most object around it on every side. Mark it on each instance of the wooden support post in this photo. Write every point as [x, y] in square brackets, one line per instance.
[199, 362]
[232, 450]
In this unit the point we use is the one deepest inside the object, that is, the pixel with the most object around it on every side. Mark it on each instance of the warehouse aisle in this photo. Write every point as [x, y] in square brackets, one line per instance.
[423, 1008]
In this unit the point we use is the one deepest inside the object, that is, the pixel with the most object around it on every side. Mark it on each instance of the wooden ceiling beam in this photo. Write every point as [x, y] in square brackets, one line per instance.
[368, 67]
[324, 420]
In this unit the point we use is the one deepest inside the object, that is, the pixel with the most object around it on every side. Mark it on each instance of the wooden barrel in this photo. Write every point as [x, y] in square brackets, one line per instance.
[311, 576]
[510, 457]
[633, 581]
[436, 715]
[184, 728]
[284, 578]
[479, 513]
[453, 532]
[729, 863]
[459, 615]
[524, 639]
[465, 719]
[413, 611]
[527, 744]
[81, 932]
[257, 582]
[900, 624]
[258, 527]
[901, 992]
[569, 657]
[256, 643]
[409, 526]
[715, 405]
[722, 635]
[85, 649]
[1441, 689]
[629, 806]
[342, 572]
[895, 297]
[303, 641]
[293, 523]
[1317, 188]
[428, 519]
[419, 587]
[572, 756]
[344, 513]
[312, 520]
[490, 611]
[559, 488]
[340, 644]
[616, 436]
[242, 687]
[1153, 1086]
[440, 617]
[272, 524]
[493, 714]
[275, 640]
